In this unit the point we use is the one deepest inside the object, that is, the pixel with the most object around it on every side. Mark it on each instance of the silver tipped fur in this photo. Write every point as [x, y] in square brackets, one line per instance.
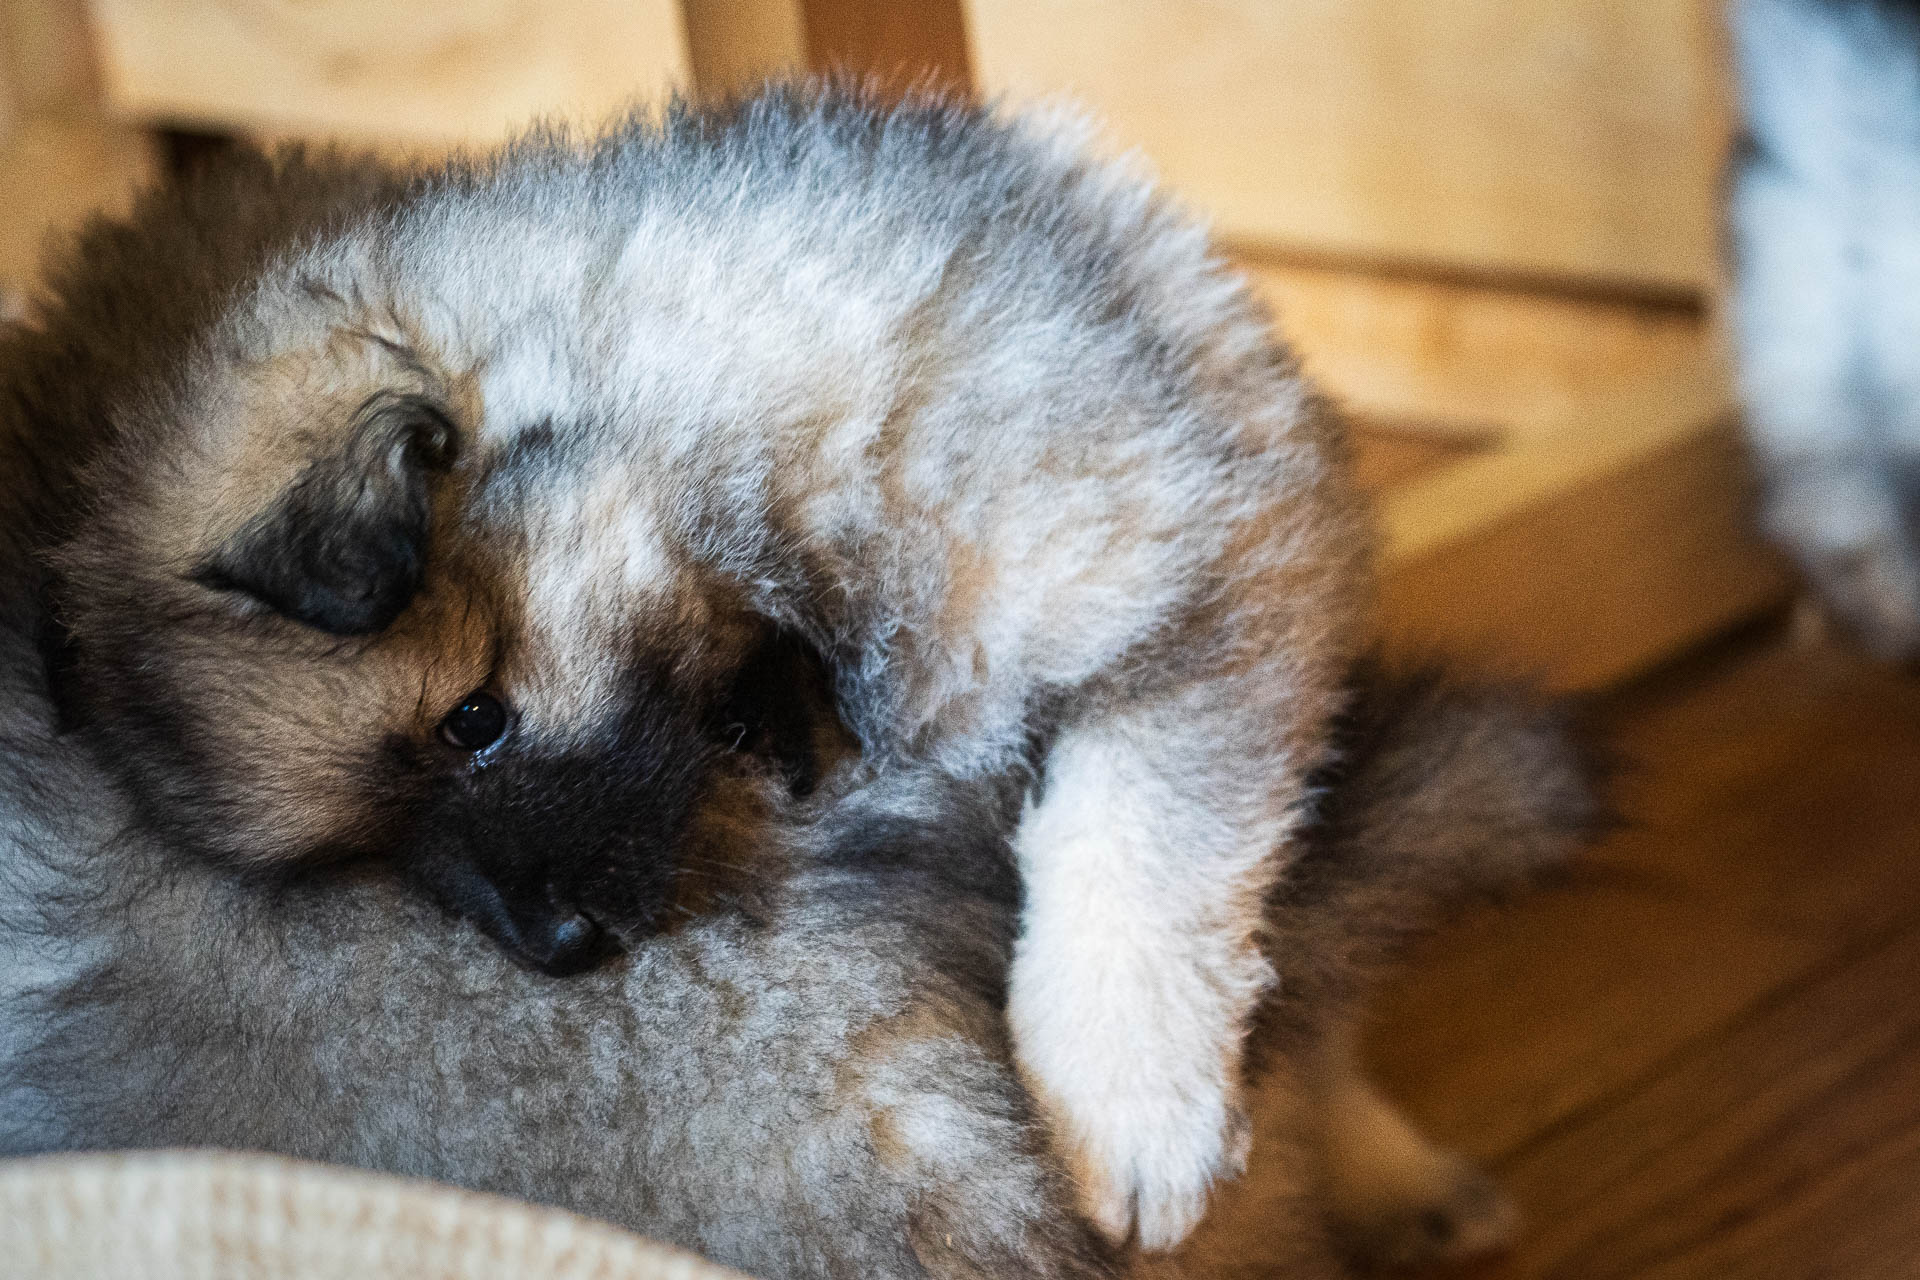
[1824, 217]
[546, 533]
[814, 1080]
[495, 521]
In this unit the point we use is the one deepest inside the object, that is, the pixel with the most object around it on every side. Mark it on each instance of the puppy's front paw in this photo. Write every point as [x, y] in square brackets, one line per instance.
[1149, 1177]
[1142, 1099]
[1133, 978]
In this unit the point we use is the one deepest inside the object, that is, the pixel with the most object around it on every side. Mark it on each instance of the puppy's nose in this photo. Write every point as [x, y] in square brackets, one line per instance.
[564, 943]
[531, 918]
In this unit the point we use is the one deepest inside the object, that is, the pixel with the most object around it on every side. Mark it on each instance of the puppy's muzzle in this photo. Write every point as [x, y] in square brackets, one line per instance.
[531, 918]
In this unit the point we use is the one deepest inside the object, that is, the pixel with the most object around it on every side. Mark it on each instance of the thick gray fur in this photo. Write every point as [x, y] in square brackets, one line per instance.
[823, 1091]
[1825, 222]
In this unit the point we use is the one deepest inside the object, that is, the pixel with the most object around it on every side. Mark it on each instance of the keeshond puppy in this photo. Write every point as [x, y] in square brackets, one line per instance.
[810, 1077]
[492, 521]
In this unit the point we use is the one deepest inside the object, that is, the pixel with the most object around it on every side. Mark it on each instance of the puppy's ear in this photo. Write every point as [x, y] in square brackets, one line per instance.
[780, 707]
[343, 548]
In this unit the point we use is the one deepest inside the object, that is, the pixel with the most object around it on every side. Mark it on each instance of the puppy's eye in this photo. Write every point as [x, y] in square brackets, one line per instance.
[475, 724]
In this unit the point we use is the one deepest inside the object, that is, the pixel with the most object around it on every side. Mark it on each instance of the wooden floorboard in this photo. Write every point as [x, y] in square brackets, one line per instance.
[1770, 1149]
[1701, 1057]
[1772, 825]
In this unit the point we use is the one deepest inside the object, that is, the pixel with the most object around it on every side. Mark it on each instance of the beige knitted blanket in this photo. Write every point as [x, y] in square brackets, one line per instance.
[203, 1215]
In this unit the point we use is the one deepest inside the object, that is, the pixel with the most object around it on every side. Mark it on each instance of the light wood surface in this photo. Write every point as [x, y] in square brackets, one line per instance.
[1391, 452]
[1564, 138]
[49, 58]
[732, 45]
[432, 70]
[1619, 567]
[9, 93]
[68, 170]
[1580, 509]
[59, 158]
[897, 43]
[1470, 352]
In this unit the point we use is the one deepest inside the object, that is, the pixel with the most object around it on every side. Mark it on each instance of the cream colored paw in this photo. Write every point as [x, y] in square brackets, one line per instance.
[1133, 978]
[1149, 1181]
[1141, 1097]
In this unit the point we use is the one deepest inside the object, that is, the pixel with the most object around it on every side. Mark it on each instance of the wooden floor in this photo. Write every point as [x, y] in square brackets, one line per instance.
[1702, 1057]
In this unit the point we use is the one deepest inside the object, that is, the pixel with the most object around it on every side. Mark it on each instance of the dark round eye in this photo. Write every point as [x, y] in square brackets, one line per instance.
[475, 724]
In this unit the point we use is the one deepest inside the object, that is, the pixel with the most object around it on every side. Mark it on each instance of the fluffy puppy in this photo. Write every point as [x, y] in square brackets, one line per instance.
[492, 521]
[812, 1077]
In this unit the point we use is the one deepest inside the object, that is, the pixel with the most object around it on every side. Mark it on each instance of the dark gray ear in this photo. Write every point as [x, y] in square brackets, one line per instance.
[343, 548]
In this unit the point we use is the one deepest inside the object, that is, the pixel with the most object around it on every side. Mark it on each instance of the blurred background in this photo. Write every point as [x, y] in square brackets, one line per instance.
[1494, 230]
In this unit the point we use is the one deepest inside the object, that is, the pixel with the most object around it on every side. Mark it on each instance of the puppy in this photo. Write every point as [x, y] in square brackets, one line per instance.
[494, 521]
[810, 1077]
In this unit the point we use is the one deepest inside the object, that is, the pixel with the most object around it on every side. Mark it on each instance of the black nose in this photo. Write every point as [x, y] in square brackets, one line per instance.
[562, 943]
[533, 922]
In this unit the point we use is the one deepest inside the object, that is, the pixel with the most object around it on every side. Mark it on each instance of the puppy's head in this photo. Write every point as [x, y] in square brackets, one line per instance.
[319, 606]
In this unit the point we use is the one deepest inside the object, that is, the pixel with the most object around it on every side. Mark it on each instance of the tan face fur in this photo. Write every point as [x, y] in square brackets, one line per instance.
[275, 722]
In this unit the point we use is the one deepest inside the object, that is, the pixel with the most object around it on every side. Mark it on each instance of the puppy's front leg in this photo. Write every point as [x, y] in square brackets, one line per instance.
[1137, 965]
